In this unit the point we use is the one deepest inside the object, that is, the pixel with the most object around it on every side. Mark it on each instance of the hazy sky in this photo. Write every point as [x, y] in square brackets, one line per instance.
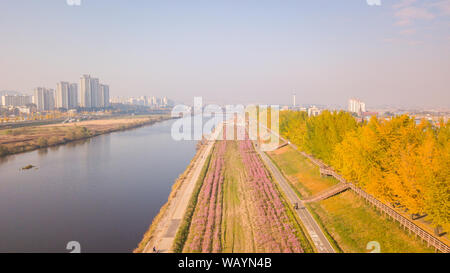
[234, 51]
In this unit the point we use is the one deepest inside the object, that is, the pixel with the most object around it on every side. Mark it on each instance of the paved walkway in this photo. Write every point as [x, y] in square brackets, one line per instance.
[170, 222]
[315, 232]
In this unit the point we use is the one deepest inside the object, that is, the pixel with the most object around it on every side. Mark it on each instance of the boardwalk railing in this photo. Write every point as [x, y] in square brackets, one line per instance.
[405, 222]
[282, 146]
[328, 193]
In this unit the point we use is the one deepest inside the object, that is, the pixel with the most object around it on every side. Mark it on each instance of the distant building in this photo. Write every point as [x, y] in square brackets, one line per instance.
[314, 111]
[73, 96]
[149, 101]
[44, 99]
[66, 95]
[24, 110]
[368, 115]
[356, 106]
[62, 95]
[96, 100]
[121, 100]
[154, 101]
[165, 102]
[85, 91]
[92, 93]
[104, 95]
[15, 100]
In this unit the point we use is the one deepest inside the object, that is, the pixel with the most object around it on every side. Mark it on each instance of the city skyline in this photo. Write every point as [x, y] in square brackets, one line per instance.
[229, 53]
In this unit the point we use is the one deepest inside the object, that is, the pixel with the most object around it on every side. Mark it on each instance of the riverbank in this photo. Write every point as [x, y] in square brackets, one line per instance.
[162, 231]
[102, 191]
[13, 141]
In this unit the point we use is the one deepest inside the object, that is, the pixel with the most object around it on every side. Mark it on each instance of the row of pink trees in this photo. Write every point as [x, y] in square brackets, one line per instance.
[274, 231]
[206, 221]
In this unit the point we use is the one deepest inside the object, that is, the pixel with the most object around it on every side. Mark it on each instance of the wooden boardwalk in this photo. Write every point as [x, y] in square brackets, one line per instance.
[336, 189]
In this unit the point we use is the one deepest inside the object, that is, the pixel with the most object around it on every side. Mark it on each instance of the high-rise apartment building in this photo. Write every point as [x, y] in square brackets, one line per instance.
[62, 95]
[91, 93]
[104, 95]
[44, 99]
[95, 93]
[154, 101]
[15, 100]
[66, 95]
[73, 96]
[85, 91]
[356, 106]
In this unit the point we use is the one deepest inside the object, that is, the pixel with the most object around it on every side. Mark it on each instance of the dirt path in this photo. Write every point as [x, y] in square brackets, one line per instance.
[237, 227]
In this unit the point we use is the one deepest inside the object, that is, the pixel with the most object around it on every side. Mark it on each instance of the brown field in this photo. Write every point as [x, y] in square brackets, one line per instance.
[33, 137]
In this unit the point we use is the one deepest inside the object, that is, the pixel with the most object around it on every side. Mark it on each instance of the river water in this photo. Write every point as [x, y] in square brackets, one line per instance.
[102, 192]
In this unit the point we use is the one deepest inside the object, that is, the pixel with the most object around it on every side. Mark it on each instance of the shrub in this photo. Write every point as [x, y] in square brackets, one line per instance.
[53, 140]
[84, 132]
[42, 142]
[3, 150]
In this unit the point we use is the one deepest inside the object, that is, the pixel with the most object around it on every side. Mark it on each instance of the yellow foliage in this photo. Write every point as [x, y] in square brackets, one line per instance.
[398, 161]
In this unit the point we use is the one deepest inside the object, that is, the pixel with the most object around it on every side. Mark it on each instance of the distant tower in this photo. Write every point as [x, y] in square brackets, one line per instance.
[294, 100]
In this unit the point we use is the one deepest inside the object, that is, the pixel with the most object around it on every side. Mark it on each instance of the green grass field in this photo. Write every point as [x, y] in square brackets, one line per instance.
[346, 217]
[236, 226]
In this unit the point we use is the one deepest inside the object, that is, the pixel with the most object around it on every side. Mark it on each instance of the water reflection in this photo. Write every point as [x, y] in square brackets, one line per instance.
[102, 192]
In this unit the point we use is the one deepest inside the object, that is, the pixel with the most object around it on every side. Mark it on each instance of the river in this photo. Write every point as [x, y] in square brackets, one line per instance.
[102, 192]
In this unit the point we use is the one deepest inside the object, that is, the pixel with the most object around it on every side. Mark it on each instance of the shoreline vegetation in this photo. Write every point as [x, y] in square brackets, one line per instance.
[25, 139]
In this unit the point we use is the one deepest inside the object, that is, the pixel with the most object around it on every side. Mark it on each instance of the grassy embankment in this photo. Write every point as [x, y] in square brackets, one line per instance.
[347, 219]
[25, 139]
[149, 235]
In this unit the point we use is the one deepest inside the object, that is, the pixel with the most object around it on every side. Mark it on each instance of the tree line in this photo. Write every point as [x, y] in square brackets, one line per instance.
[398, 161]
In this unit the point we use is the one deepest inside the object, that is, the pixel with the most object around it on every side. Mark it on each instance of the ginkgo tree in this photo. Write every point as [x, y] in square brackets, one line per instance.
[398, 161]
